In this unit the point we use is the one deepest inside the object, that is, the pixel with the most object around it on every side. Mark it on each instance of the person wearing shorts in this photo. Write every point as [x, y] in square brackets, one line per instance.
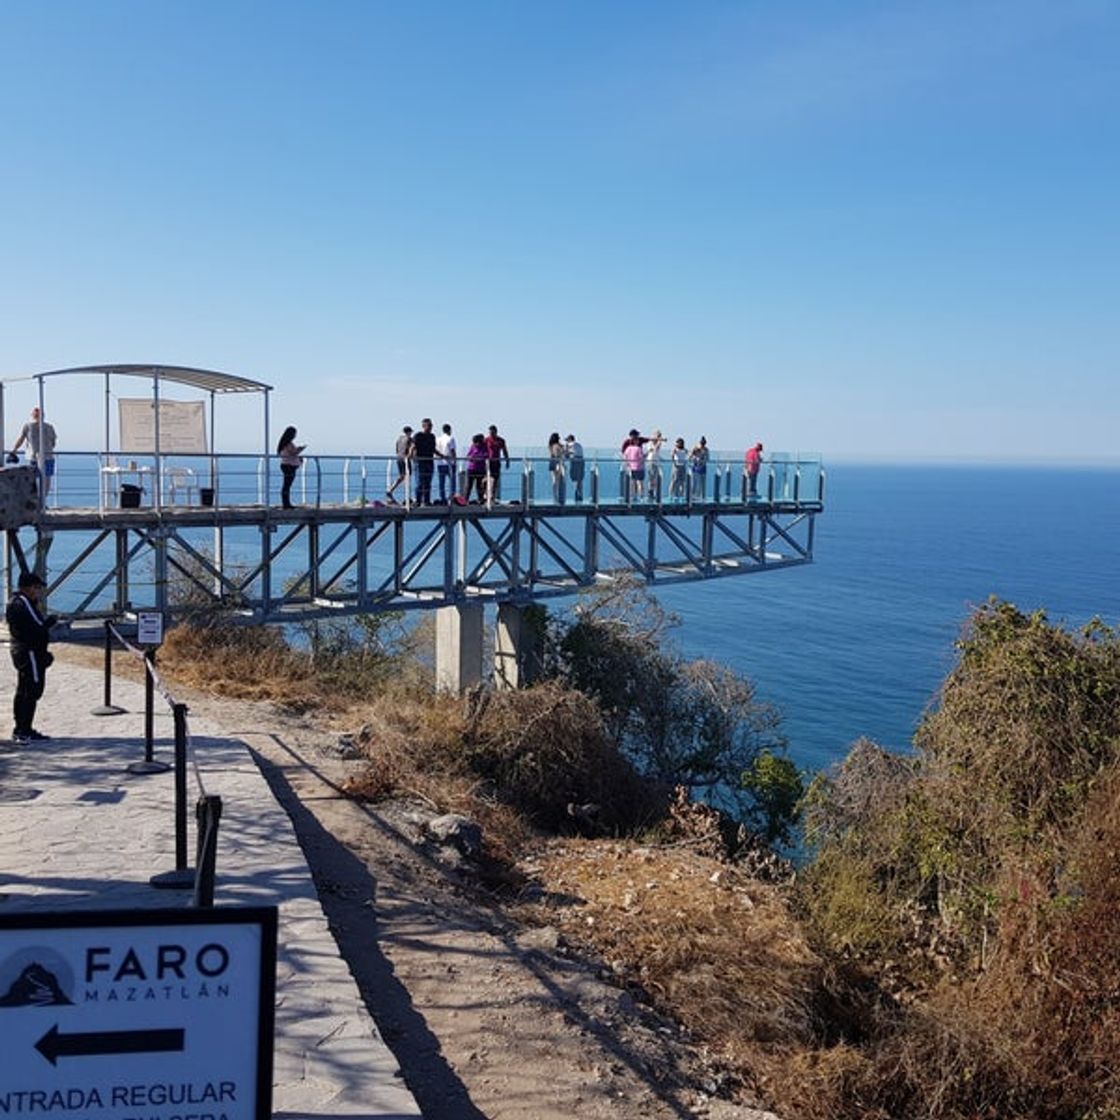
[403, 451]
[633, 454]
[34, 432]
[496, 451]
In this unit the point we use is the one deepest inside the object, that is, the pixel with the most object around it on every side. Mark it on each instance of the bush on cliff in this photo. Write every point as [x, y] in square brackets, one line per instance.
[977, 880]
[695, 724]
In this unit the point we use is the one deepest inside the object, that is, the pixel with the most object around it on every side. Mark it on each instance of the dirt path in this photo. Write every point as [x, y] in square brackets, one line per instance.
[489, 1021]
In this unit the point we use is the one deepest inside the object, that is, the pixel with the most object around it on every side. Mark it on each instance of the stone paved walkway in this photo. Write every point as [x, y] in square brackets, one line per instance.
[79, 832]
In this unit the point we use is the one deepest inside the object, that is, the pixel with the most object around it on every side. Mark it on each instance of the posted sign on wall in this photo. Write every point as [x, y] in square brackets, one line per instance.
[159, 1015]
[182, 426]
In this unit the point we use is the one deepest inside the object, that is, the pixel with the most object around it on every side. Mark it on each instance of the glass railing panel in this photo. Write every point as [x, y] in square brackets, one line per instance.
[97, 480]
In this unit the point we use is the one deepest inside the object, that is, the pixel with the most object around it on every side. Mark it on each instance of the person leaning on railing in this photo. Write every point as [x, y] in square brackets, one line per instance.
[477, 462]
[42, 458]
[752, 462]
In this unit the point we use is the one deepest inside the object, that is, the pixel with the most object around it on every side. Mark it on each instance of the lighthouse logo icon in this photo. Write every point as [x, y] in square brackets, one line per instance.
[35, 977]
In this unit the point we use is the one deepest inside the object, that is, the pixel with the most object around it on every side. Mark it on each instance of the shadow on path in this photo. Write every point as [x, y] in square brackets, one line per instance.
[439, 1092]
[356, 945]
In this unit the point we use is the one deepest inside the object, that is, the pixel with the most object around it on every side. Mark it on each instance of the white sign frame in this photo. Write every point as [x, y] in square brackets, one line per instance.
[150, 1013]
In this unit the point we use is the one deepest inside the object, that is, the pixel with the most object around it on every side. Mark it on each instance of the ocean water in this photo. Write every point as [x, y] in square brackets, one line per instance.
[858, 642]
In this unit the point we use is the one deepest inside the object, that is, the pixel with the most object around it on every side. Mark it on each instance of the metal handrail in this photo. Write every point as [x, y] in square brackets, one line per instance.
[240, 480]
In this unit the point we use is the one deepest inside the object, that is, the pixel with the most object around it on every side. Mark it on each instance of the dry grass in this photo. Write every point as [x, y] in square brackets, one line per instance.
[714, 948]
[515, 761]
[244, 662]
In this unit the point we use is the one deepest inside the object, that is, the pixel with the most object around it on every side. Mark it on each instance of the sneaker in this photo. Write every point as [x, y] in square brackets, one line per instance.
[37, 736]
[20, 736]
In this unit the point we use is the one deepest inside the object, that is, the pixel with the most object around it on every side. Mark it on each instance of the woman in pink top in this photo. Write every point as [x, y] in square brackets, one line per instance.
[635, 458]
[476, 475]
[290, 461]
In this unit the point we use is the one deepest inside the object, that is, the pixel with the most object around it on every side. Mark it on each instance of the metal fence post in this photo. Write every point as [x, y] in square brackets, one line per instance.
[149, 765]
[108, 708]
[183, 877]
[208, 815]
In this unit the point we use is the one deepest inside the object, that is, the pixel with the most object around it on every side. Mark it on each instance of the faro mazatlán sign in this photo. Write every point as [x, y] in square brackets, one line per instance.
[137, 1015]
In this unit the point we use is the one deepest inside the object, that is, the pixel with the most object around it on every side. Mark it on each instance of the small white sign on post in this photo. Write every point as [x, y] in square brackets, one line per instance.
[149, 628]
[154, 1014]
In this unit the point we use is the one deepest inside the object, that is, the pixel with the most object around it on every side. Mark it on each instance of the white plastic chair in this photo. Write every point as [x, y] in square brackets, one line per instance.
[180, 480]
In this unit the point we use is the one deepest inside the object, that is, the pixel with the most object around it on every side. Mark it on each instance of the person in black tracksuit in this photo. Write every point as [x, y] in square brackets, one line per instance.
[29, 632]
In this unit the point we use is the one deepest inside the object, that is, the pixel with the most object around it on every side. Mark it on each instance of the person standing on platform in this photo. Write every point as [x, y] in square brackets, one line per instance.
[752, 463]
[573, 452]
[424, 456]
[290, 462]
[403, 451]
[653, 465]
[448, 457]
[475, 477]
[496, 451]
[698, 460]
[678, 481]
[29, 634]
[35, 432]
[556, 468]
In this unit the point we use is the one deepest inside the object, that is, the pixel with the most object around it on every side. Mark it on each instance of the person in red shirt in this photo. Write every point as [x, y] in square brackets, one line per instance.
[496, 451]
[752, 462]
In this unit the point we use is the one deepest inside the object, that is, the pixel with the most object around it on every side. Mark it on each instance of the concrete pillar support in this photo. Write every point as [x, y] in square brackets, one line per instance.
[517, 646]
[459, 647]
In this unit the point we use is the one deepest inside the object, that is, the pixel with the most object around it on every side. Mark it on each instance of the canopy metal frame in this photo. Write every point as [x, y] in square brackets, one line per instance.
[210, 381]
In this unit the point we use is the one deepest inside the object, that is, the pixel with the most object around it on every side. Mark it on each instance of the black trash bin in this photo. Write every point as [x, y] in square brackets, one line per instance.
[206, 495]
[130, 496]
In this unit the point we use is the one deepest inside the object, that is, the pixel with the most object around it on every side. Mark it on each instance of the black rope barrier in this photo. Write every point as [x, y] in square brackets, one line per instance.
[208, 809]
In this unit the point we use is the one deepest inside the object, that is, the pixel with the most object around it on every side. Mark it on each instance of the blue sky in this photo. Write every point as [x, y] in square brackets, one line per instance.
[870, 229]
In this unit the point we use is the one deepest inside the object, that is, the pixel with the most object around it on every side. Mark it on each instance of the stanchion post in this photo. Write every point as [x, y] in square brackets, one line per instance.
[149, 765]
[149, 704]
[108, 708]
[208, 815]
[179, 712]
[183, 877]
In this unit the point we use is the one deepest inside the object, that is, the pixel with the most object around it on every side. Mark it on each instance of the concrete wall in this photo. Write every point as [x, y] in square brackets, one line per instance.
[19, 496]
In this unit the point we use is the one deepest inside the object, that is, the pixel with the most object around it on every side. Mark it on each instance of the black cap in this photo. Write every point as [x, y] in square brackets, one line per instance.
[30, 579]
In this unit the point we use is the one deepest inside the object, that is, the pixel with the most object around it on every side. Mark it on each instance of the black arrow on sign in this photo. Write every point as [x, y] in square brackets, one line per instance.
[54, 1045]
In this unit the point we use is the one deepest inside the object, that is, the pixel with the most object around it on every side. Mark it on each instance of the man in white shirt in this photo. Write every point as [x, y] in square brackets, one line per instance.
[573, 452]
[445, 447]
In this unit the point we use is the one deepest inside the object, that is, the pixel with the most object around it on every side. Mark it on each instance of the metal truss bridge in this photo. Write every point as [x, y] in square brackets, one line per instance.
[342, 552]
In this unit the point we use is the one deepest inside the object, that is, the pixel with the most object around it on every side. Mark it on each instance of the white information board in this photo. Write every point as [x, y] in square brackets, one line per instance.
[155, 1014]
[182, 426]
[149, 628]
